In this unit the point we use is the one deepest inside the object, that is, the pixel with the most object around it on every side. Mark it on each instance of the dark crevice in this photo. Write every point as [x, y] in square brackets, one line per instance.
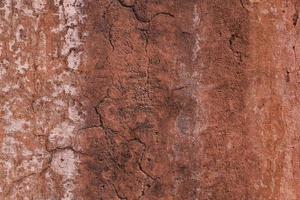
[140, 18]
[123, 3]
[141, 167]
[243, 5]
[109, 37]
[180, 88]
[295, 55]
[120, 197]
[295, 58]
[141, 159]
[287, 75]
[295, 18]
[88, 127]
[162, 13]
[59, 149]
[237, 53]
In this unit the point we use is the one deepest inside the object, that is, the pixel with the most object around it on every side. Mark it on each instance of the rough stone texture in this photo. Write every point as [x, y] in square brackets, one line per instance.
[149, 99]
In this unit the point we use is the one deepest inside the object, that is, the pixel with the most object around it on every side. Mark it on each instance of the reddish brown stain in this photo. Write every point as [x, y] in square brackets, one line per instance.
[150, 100]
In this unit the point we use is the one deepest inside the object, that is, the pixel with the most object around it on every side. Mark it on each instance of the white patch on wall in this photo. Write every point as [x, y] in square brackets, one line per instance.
[2, 71]
[196, 48]
[23, 8]
[9, 87]
[21, 67]
[74, 114]
[70, 17]
[264, 11]
[72, 42]
[196, 22]
[280, 26]
[13, 125]
[17, 125]
[50, 184]
[59, 103]
[42, 58]
[66, 88]
[73, 12]
[11, 43]
[194, 90]
[61, 135]
[39, 5]
[18, 33]
[18, 160]
[196, 19]
[64, 164]
[35, 163]
[61, 19]
[8, 149]
[7, 9]
[32, 162]
[74, 60]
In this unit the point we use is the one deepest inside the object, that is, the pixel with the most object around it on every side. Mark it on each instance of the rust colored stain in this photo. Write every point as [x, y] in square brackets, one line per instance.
[149, 99]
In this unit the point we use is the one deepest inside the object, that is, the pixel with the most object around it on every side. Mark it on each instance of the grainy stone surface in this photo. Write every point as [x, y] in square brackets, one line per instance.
[149, 99]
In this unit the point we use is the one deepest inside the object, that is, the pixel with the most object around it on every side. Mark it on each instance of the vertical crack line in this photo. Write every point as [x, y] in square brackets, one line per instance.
[101, 123]
[236, 53]
[120, 197]
[110, 38]
[295, 15]
[110, 34]
[287, 75]
[295, 55]
[243, 5]
[295, 18]
[141, 159]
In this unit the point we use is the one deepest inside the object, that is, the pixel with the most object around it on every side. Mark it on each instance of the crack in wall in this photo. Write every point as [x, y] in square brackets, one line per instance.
[140, 18]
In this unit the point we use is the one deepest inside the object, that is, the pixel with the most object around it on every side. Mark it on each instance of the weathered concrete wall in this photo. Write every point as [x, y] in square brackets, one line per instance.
[149, 99]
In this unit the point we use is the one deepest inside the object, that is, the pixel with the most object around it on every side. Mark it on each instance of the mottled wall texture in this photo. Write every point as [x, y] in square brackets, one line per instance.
[149, 100]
